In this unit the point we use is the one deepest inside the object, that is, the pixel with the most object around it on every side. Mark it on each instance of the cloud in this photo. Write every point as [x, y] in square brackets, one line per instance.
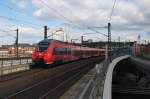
[27, 34]
[22, 4]
[129, 16]
[128, 20]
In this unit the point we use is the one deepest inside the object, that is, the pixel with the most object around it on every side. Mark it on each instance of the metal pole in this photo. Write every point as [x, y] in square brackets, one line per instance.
[71, 40]
[82, 39]
[119, 42]
[66, 38]
[2, 61]
[16, 43]
[109, 39]
[63, 36]
[106, 52]
[45, 32]
[11, 62]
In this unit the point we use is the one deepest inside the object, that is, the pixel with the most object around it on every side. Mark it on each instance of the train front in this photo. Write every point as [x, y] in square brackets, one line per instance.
[42, 53]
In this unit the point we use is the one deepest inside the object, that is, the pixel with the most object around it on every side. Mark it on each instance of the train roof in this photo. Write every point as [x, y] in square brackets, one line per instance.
[46, 40]
[50, 40]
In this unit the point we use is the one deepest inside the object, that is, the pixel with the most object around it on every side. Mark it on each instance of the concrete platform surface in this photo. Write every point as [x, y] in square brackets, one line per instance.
[76, 90]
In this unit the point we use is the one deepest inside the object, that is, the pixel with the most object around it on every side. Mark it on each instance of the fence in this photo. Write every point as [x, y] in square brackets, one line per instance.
[5, 55]
[13, 64]
[101, 69]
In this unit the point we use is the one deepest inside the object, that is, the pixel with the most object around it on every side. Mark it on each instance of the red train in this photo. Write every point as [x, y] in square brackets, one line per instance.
[50, 51]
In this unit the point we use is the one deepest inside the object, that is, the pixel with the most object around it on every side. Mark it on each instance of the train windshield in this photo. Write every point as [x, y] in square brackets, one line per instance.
[43, 46]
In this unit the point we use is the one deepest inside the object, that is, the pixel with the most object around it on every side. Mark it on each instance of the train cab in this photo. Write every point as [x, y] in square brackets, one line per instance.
[41, 53]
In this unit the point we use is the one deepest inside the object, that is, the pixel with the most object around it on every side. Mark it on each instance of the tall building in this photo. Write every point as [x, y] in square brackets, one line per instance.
[60, 35]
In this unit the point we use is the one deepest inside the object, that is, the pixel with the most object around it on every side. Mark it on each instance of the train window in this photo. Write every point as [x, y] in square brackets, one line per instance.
[57, 51]
[43, 46]
[60, 51]
[77, 52]
[72, 51]
[69, 51]
[65, 51]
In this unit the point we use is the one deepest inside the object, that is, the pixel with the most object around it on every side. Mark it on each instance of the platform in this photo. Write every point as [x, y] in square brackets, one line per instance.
[77, 90]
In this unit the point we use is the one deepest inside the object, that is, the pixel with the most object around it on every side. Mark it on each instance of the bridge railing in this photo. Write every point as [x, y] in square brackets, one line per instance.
[14, 63]
[10, 58]
[101, 69]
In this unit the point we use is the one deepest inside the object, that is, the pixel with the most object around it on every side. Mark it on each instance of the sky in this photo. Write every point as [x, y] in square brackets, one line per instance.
[130, 18]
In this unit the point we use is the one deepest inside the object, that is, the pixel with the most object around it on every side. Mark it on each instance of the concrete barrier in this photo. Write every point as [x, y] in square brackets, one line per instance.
[107, 90]
[11, 69]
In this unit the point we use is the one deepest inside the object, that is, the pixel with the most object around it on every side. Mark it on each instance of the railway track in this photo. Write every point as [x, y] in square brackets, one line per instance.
[70, 81]
[19, 74]
[29, 72]
[38, 85]
[48, 84]
[132, 90]
[130, 93]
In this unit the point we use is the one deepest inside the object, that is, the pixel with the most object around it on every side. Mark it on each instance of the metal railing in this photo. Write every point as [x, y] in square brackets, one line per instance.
[5, 55]
[98, 81]
[13, 63]
[11, 60]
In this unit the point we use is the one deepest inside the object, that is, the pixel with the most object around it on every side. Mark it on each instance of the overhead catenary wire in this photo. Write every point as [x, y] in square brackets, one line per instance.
[9, 26]
[99, 32]
[18, 11]
[55, 11]
[61, 15]
[7, 32]
[20, 21]
[112, 10]
[88, 27]
[68, 20]
[9, 7]
[92, 28]
[23, 22]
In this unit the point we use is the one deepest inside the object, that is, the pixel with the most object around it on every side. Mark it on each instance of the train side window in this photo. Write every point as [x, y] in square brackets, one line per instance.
[60, 51]
[66, 51]
[69, 51]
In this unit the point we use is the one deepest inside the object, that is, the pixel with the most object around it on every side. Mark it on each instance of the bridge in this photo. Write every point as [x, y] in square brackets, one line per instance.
[121, 74]
[78, 56]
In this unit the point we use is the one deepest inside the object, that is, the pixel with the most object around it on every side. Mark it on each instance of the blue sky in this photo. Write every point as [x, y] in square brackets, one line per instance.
[10, 9]
[31, 15]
